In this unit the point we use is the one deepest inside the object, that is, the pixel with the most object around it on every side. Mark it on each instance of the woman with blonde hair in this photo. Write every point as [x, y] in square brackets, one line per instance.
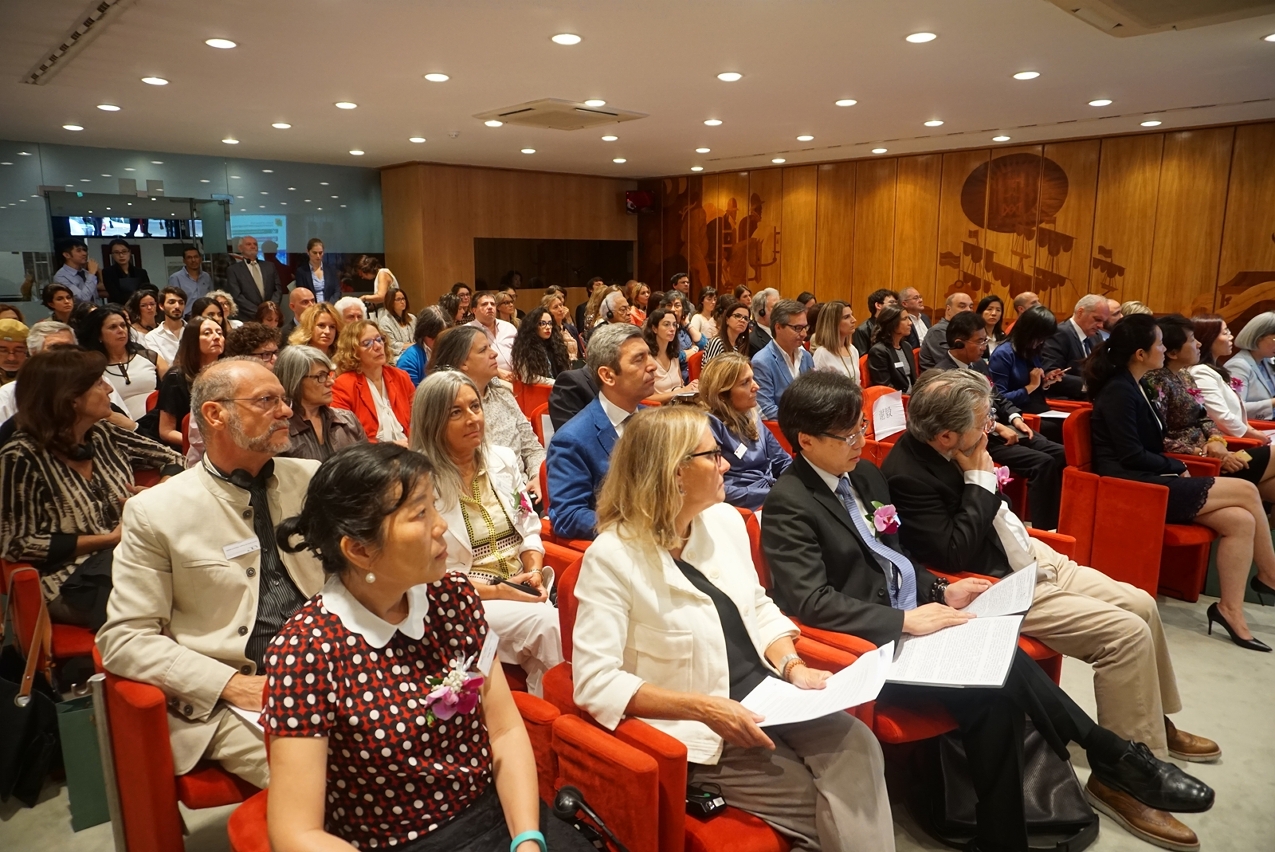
[1128, 309]
[638, 296]
[830, 345]
[493, 533]
[593, 309]
[727, 390]
[379, 395]
[556, 304]
[673, 628]
[319, 326]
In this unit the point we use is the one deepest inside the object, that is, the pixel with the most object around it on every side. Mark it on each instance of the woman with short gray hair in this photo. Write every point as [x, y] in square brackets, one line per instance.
[1251, 365]
[317, 429]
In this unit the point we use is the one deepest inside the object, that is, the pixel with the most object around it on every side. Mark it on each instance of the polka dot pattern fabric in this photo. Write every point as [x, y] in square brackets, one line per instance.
[391, 777]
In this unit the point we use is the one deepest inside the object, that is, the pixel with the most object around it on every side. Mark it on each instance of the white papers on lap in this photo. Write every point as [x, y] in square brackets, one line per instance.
[1008, 596]
[976, 653]
[1054, 415]
[781, 703]
[252, 717]
[888, 417]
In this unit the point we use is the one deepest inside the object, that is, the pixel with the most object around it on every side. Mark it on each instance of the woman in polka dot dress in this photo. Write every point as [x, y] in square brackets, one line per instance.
[389, 724]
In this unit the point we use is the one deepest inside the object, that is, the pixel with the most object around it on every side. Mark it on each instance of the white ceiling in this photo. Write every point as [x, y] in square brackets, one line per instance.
[296, 59]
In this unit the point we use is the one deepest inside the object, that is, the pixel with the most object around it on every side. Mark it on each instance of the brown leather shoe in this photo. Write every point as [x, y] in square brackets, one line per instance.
[1189, 747]
[1159, 828]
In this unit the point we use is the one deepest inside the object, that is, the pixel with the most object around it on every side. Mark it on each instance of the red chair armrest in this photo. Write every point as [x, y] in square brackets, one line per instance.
[1199, 465]
[670, 757]
[1237, 444]
[840, 641]
[1032, 421]
[621, 783]
[538, 717]
[819, 655]
[1064, 544]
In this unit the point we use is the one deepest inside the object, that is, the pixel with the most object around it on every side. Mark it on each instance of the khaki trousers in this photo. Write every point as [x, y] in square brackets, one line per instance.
[1116, 628]
[240, 748]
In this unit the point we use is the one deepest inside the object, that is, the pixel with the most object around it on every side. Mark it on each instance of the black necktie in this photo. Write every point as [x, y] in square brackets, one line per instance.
[1088, 346]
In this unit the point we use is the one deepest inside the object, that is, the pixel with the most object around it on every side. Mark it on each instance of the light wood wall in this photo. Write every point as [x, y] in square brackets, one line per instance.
[432, 214]
[1183, 221]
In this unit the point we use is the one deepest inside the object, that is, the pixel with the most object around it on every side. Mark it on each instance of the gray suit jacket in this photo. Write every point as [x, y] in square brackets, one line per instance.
[240, 284]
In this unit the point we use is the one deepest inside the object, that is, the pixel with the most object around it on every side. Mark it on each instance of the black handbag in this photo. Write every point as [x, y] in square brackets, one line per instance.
[29, 744]
[1059, 819]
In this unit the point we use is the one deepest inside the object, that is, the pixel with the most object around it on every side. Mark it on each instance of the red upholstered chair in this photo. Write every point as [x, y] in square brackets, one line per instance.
[773, 426]
[916, 361]
[865, 381]
[534, 396]
[22, 582]
[870, 397]
[693, 364]
[152, 400]
[537, 425]
[185, 434]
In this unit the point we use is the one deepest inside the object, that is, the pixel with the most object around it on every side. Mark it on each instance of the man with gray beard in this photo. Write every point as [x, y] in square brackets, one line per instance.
[201, 586]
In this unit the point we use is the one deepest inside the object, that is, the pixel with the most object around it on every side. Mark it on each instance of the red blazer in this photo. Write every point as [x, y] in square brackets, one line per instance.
[351, 392]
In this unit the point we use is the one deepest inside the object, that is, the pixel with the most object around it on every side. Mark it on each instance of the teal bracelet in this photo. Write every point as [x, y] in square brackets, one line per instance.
[524, 837]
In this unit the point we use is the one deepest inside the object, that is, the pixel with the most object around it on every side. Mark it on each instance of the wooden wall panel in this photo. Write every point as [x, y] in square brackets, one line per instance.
[916, 224]
[762, 228]
[1124, 215]
[960, 260]
[1188, 224]
[673, 203]
[875, 185]
[401, 213]
[1064, 244]
[1012, 210]
[1246, 270]
[712, 225]
[696, 234]
[834, 232]
[733, 197]
[649, 260]
[797, 261]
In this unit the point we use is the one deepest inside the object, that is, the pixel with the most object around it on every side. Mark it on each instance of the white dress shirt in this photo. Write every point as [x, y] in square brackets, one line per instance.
[162, 341]
[614, 413]
[502, 340]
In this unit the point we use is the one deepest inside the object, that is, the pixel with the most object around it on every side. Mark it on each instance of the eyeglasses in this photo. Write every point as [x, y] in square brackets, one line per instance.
[269, 355]
[853, 437]
[374, 341]
[800, 329]
[270, 402]
[715, 454]
[545, 324]
[322, 378]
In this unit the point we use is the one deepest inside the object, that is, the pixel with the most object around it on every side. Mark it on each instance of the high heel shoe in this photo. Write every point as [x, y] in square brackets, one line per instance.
[1261, 589]
[1251, 644]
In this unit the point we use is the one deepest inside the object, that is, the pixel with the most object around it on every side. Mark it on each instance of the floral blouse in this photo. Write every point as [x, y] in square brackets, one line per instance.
[1187, 425]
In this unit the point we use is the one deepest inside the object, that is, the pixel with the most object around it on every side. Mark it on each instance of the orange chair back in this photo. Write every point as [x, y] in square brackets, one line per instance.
[152, 400]
[754, 546]
[534, 396]
[864, 380]
[537, 425]
[567, 604]
[916, 361]
[870, 397]
[773, 426]
[1077, 439]
[694, 363]
[876, 451]
[185, 434]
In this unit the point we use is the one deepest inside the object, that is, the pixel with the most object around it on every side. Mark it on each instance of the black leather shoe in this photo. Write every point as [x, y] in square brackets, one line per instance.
[1153, 782]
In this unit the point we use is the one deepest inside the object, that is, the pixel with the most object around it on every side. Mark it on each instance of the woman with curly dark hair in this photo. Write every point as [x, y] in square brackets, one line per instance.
[132, 370]
[539, 353]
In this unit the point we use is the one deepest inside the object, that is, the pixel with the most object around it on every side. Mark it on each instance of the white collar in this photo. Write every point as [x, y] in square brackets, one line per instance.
[614, 413]
[1076, 328]
[828, 479]
[357, 619]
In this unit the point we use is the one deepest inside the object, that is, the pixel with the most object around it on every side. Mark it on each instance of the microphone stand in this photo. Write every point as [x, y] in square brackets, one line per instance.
[570, 801]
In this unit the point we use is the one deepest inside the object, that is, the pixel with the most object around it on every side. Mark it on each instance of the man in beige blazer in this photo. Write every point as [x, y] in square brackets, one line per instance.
[200, 586]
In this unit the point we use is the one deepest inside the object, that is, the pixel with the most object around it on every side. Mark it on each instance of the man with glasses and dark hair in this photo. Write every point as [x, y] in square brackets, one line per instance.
[842, 559]
[784, 358]
[200, 584]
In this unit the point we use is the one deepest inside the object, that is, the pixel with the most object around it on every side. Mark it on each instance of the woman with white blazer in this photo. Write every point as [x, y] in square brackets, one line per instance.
[1252, 365]
[1219, 390]
[493, 533]
[674, 628]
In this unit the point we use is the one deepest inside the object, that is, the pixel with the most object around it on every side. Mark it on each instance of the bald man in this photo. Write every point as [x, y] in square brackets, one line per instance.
[911, 300]
[1022, 302]
[935, 345]
[299, 300]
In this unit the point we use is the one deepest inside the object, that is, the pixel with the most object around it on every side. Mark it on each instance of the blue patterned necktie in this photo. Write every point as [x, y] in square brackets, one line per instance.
[902, 580]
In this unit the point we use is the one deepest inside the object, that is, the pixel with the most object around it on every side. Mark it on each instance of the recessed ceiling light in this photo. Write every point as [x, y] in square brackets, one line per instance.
[127, 169]
[921, 38]
[220, 43]
[846, 102]
[346, 105]
[157, 162]
[934, 122]
[262, 206]
[779, 160]
[805, 137]
[267, 171]
[323, 183]
[103, 175]
[1100, 102]
[730, 76]
[230, 141]
[334, 196]
[281, 125]
[6, 164]
[204, 180]
[1026, 75]
[284, 203]
[234, 177]
[155, 81]
[264, 192]
[878, 150]
[86, 180]
[610, 138]
[72, 127]
[1270, 37]
[529, 150]
[238, 196]
[24, 154]
[437, 78]
[292, 189]
[697, 168]
[307, 201]
[713, 122]
[619, 160]
[356, 152]
[318, 208]
[108, 107]
[566, 39]
[595, 102]
[342, 205]
[1001, 138]
[491, 122]
[702, 150]
[1151, 123]
[417, 139]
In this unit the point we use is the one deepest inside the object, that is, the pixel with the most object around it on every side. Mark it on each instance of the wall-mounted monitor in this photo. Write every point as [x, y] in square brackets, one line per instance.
[125, 228]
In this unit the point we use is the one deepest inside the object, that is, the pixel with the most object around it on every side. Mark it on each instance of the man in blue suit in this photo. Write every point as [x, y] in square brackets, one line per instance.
[784, 358]
[580, 452]
[318, 277]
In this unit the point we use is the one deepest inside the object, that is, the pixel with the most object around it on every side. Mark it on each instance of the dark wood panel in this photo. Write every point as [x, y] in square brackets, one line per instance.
[916, 224]
[1124, 216]
[797, 262]
[696, 234]
[1246, 270]
[1017, 187]
[962, 204]
[650, 240]
[733, 198]
[761, 232]
[875, 185]
[1064, 243]
[834, 232]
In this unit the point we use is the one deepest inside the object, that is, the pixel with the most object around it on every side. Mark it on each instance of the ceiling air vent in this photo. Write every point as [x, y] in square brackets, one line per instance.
[555, 114]
[1140, 17]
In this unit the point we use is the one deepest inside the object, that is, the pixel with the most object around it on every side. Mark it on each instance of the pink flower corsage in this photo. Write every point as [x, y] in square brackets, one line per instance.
[1196, 394]
[885, 518]
[1003, 477]
[455, 692]
[1236, 384]
[525, 506]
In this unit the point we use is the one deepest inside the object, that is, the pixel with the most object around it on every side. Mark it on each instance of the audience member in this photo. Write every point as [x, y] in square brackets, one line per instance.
[936, 337]
[762, 332]
[830, 345]
[689, 340]
[317, 276]
[911, 300]
[143, 311]
[191, 279]
[1128, 309]
[397, 324]
[784, 358]
[464, 299]
[579, 453]
[249, 282]
[1016, 367]
[253, 338]
[379, 395]
[164, 339]
[13, 349]
[1128, 442]
[592, 311]
[78, 272]
[299, 301]
[122, 278]
[319, 327]
[499, 333]
[638, 296]
[468, 350]
[350, 309]
[430, 323]
[877, 299]
[991, 309]
[493, 533]
[752, 452]
[132, 370]
[572, 391]
[539, 353]
[703, 323]
[664, 534]
[317, 430]
[834, 570]
[681, 282]
[210, 307]
[890, 362]
[371, 269]
[1219, 390]
[733, 320]
[507, 308]
[59, 299]
[510, 284]
[203, 643]
[743, 295]
[1251, 366]
[66, 474]
[202, 343]
[613, 308]
[1023, 302]
[11, 312]
[44, 335]
[594, 287]
[269, 315]
[1071, 344]
[556, 304]
[660, 333]
[807, 299]
[1115, 313]
[369, 514]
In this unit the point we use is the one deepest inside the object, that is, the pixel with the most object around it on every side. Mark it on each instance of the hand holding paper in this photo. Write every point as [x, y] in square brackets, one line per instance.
[781, 703]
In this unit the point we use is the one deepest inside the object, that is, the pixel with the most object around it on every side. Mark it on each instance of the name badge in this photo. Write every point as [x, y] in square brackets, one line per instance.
[489, 652]
[239, 548]
[740, 450]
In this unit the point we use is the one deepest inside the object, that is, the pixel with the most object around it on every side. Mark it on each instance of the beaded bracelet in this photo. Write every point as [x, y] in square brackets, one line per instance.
[524, 837]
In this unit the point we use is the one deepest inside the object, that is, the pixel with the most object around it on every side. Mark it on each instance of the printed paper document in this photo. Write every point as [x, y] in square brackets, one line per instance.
[781, 703]
[1010, 595]
[976, 653]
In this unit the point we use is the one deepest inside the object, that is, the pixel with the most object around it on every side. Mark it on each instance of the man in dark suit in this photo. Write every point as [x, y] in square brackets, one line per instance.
[936, 338]
[572, 391]
[877, 299]
[580, 452]
[761, 333]
[251, 282]
[1071, 345]
[911, 300]
[833, 571]
[317, 275]
[1011, 442]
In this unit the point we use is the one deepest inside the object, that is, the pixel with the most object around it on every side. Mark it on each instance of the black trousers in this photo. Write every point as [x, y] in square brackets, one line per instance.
[481, 828]
[991, 724]
[1041, 462]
